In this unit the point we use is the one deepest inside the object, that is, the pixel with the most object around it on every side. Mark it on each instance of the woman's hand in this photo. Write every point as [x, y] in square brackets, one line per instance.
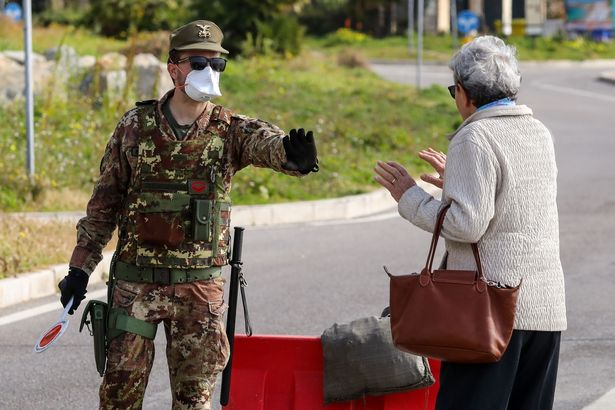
[438, 161]
[394, 178]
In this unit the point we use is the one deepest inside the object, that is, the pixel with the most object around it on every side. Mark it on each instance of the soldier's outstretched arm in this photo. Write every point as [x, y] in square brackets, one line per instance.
[262, 144]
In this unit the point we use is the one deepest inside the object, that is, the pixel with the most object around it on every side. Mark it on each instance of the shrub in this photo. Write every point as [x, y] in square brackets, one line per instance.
[283, 35]
[345, 36]
[68, 16]
[156, 43]
[351, 59]
[120, 18]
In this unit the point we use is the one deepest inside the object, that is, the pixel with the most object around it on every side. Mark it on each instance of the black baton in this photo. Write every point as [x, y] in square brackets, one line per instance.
[232, 311]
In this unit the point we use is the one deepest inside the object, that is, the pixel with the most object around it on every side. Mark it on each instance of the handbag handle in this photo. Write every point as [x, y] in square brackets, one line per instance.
[434, 244]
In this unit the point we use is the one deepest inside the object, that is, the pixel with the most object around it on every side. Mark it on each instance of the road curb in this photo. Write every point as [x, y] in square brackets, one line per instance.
[28, 286]
[274, 214]
[607, 76]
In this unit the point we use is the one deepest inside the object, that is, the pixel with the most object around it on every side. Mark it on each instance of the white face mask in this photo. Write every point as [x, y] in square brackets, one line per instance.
[203, 85]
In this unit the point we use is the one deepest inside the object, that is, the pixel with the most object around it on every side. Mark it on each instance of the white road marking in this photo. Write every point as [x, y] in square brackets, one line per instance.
[49, 307]
[574, 91]
[606, 402]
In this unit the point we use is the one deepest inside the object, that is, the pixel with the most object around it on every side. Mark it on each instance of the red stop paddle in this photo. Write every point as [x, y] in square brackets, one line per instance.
[49, 337]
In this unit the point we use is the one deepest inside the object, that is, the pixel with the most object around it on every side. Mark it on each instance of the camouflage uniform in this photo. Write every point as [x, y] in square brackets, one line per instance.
[143, 147]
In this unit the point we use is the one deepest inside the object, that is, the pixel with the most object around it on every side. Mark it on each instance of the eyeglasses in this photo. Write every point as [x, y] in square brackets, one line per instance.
[199, 63]
[451, 90]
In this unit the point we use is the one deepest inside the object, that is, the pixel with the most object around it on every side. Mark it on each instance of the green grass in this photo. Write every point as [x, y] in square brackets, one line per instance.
[440, 48]
[357, 118]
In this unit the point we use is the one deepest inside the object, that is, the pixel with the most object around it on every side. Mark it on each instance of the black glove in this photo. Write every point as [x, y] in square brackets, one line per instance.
[300, 152]
[73, 284]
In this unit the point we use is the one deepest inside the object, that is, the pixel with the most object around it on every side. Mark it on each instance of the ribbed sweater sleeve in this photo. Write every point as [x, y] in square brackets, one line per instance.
[470, 186]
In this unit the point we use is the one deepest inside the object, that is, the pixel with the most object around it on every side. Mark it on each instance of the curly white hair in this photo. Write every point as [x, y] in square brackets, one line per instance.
[487, 69]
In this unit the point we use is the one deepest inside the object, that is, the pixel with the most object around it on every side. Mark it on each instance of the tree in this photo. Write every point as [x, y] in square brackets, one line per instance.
[119, 18]
[240, 19]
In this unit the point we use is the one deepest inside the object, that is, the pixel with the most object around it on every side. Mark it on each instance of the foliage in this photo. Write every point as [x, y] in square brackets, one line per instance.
[28, 244]
[23, 249]
[282, 35]
[121, 18]
[559, 47]
[440, 48]
[70, 135]
[352, 59]
[357, 118]
[152, 42]
[255, 25]
[345, 36]
[67, 17]
[374, 17]
[324, 16]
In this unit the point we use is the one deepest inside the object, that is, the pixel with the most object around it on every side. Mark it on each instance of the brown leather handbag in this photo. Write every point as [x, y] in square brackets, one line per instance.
[451, 315]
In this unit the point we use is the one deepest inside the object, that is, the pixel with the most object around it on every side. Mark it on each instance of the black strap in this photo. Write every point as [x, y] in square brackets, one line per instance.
[243, 284]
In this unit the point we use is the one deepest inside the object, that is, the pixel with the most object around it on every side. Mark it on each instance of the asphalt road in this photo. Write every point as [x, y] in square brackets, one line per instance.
[304, 278]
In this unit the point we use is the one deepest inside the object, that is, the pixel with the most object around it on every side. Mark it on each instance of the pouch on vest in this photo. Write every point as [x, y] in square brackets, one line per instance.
[202, 215]
[160, 221]
[97, 326]
[221, 211]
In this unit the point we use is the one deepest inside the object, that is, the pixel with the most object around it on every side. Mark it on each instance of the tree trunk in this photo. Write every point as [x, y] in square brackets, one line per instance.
[381, 20]
[393, 25]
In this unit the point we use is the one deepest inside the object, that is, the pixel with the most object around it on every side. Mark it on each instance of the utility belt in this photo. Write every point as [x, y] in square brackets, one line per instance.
[163, 276]
[106, 322]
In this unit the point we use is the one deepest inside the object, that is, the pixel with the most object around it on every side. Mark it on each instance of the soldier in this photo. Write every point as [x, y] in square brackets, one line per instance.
[165, 180]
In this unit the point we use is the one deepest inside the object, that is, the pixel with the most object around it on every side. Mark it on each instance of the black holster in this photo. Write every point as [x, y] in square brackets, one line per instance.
[97, 325]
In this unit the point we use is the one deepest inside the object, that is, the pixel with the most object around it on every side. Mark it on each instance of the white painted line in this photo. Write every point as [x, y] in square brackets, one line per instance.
[606, 402]
[574, 91]
[49, 307]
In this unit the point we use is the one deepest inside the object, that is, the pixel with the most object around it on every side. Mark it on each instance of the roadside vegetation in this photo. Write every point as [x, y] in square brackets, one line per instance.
[27, 245]
[440, 48]
[356, 117]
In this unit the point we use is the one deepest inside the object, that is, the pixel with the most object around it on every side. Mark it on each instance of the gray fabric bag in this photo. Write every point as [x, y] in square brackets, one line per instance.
[360, 359]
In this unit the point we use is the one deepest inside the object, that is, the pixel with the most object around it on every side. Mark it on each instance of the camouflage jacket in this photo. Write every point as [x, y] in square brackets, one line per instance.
[249, 141]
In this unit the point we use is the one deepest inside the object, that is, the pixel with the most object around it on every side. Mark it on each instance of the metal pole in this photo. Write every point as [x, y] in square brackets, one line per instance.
[27, 8]
[454, 23]
[410, 26]
[419, 52]
[507, 6]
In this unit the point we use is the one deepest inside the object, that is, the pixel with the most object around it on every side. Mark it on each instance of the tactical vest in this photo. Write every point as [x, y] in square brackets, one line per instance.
[177, 213]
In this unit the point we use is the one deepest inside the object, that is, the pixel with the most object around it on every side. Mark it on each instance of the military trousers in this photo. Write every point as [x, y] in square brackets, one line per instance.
[197, 347]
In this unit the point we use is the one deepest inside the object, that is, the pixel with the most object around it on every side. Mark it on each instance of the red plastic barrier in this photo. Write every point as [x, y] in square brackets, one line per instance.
[285, 373]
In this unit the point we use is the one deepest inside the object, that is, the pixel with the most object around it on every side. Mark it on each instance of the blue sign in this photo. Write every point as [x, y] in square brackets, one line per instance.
[467, 21]
[13, 11]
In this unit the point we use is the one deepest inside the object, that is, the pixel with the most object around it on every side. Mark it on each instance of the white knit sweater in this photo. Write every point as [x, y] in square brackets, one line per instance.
[500, 180]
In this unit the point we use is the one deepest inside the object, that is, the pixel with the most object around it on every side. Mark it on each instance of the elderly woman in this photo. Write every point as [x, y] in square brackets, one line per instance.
[500, 179]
